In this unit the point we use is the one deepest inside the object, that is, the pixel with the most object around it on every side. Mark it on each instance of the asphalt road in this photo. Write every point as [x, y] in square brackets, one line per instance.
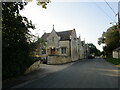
[90, 73]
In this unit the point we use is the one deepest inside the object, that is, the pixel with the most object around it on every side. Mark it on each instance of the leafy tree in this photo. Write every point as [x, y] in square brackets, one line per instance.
[38, 46]
[15, 37]
[101, 40]
[43, 4]
[93, 49]
[111, 39]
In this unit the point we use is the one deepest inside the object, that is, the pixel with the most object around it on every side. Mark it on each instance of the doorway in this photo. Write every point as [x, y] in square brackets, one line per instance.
[53, 51]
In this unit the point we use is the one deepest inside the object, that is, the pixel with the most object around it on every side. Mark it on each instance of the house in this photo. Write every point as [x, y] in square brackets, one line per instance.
[62, 47]
[116, 53]
[119, 30]
[84, 52]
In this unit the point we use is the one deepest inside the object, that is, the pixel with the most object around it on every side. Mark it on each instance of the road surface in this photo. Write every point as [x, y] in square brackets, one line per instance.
[89, 73]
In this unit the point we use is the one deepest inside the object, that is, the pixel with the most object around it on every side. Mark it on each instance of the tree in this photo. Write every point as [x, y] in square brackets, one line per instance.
[43, 4]
[15, 37]
[38, 46]
[111, 39]
[93, 49]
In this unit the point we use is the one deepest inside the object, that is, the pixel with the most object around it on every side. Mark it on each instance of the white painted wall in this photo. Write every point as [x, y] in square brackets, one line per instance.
[116, 54]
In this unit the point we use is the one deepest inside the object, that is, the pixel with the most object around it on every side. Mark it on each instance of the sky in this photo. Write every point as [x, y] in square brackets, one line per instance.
[90, 19]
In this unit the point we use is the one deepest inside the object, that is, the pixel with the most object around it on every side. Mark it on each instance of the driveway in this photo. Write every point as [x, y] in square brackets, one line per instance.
[89, 73]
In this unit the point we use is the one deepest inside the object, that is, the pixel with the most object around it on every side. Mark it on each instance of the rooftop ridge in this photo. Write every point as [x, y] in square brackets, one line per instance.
[65, 35]
[65, 31]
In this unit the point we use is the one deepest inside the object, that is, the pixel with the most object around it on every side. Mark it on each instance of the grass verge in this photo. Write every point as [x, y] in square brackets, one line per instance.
[113, 61]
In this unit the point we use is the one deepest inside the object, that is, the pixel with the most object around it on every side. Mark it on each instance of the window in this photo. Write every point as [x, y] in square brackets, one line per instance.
[63, 50]
[53, 51]
[53, 39]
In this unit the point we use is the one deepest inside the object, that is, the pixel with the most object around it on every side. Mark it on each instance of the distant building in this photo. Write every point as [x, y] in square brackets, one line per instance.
[116, 53]
[63, 47]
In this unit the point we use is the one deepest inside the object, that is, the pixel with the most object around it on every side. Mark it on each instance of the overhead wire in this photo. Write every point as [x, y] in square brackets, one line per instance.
[103, 11]
[110, 7]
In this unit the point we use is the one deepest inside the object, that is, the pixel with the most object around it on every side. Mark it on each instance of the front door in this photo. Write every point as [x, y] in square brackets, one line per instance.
[53, 51]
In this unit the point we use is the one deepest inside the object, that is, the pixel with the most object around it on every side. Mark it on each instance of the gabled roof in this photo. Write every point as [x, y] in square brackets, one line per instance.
[117, 49]
[44, 36]
[64, 35]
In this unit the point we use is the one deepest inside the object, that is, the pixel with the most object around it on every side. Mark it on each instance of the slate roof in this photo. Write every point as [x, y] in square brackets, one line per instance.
[64, 35]
[44, 36]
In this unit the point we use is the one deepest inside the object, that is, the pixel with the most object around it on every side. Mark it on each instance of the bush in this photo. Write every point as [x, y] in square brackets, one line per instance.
[104, 57]
[113, 61]
[15, 61]
[34, 59]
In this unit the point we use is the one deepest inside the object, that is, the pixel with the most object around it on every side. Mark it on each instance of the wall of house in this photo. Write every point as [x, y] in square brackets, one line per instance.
[53, 40]
[74, 46]
[119, 54]
[58, 59]
[79, 48]
[116, 54]
[64, 44]
[74, 49]
[82, 52]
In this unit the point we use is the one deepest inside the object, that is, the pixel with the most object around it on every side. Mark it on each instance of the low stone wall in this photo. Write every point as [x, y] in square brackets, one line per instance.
[58, 59]
[33, 67]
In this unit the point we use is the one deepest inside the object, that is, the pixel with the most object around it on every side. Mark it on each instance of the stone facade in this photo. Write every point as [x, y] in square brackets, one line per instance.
[33, 67]
[63, 47]
[58, 59]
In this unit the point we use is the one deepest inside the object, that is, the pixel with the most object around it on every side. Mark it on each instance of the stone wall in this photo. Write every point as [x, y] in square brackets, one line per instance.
[58, 59]
[53, 40]
[33, 67]
[65, 44]
[74, 46]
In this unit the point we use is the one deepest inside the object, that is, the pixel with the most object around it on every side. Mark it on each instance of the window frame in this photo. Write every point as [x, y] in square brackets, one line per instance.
[63, 50]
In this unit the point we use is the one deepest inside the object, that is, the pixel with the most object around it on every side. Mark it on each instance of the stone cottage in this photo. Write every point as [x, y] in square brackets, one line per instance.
[62, 47]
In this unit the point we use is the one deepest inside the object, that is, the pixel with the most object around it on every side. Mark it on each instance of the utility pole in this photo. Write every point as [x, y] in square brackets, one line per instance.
[119, 14]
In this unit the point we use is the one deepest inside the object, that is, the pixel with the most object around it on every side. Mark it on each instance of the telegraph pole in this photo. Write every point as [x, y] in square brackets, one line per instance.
[119, 14]
[119, 17]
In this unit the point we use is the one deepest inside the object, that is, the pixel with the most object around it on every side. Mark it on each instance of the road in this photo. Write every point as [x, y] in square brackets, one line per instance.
[89, 73]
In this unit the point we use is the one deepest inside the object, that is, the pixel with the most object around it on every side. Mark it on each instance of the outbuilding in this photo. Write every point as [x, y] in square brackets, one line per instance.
[116, 53]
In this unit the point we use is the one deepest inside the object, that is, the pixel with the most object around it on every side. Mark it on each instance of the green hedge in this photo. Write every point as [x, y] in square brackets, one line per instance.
[15, 61]
[113, 61]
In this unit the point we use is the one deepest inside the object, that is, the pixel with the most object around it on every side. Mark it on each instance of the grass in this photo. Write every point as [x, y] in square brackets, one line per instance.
[113, 61]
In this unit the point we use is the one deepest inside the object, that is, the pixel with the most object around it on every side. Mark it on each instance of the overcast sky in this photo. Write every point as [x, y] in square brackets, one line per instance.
[90, 19]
